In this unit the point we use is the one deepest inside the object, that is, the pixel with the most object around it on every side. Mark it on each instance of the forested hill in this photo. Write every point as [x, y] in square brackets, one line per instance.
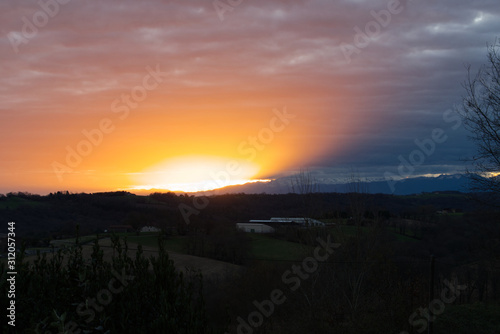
[56, 215]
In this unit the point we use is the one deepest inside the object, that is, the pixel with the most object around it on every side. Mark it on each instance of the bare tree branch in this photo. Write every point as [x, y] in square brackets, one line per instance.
[480, 111]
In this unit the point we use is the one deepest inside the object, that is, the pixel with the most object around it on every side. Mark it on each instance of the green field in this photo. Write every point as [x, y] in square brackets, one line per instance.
[264, 247]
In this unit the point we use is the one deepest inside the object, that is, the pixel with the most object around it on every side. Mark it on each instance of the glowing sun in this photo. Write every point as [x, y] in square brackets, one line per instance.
[197, 173]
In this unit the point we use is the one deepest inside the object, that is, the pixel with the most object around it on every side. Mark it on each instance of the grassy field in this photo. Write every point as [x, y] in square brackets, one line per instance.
[265, 247]
[262, 246]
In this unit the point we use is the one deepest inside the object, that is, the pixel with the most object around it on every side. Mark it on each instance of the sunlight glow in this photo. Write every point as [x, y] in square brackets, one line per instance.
[490, 174]
[197, 173]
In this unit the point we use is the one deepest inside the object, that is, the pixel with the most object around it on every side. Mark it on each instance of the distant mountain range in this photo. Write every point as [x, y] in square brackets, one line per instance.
[416, 185]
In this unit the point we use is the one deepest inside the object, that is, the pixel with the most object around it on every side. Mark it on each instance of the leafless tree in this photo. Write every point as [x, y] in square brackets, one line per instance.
[480, 111]
[357, 190]
[304, 183]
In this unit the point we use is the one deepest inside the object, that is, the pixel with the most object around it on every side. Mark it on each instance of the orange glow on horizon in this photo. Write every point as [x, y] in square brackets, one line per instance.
[172, 137]
[196, 173]
[151, 150]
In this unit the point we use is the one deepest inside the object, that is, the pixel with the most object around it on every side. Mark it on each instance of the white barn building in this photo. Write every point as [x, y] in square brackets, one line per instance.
[299, 221]
[255, 227]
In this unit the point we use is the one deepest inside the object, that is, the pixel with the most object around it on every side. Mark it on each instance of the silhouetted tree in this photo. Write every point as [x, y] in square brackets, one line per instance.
[357, 198]
[305, 184]
[480, 111]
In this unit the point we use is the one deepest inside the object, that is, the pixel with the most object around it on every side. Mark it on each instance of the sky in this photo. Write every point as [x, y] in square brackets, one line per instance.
[194, 95]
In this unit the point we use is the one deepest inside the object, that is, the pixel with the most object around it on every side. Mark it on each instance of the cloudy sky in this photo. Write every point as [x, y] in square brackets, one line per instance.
[106, 95]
